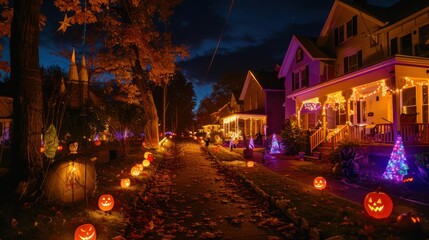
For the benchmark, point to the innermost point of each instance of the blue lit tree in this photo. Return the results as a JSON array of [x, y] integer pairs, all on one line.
[[397, 166]]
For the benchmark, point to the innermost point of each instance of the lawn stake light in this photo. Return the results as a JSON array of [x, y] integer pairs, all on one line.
[[378, 205], [125, 182], [106, 202], [146, 163], [85, 232], [135, 171], [319, 183]]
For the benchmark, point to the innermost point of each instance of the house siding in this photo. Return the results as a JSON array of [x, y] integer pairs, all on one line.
[[274, 111]]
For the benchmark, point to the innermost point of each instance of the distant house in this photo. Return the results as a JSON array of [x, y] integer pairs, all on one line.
[[365, 77], [6, 110], [262, 97]]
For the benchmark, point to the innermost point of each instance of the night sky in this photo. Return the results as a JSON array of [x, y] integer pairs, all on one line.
[[256, 35]]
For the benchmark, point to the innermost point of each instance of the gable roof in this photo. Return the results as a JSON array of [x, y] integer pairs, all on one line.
[[308, 45], [266, 80]]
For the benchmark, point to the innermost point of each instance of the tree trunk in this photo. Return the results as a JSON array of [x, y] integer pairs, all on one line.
[[27, 102]]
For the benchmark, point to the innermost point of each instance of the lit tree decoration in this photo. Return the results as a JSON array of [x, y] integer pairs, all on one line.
[[397, 166], [251, 144], [275, 147]]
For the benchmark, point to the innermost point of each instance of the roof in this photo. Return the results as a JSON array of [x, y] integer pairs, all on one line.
[[268, 80], [309, 43]]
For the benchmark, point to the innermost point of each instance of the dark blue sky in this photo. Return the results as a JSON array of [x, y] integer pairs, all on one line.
[[256, 35]]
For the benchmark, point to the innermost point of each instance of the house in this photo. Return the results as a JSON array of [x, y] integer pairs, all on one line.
[[365, 77], [6, 110], [262, 97]]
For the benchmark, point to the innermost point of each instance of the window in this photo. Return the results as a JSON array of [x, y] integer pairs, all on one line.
[[352, 27], [409, 100], [339, 35], [298, 55], [361, 111], [406, 45], [353, 62], [393, 46], [311, 120], [425, 106], [424, 39], [305, 77], [340, 114], [295, 81], [300, 82]]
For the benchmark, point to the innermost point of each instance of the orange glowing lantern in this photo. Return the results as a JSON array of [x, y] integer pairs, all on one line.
[[135, 171], [378, 205], [85, 232], [140, 166], [106, 202], [250, 164], [319, 183], [146, 154], [97, 142], [146, 163], [125, 182], [42, 149]]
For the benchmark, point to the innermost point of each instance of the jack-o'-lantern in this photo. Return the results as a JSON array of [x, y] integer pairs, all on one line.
[[106, 202], [408, 222], [60, 148], [97, 142], [407, 179], [140, 166], [378, 205], [85, 232], [135, 171], [250, 164], [125, 182], [319, 183], [146, 163]]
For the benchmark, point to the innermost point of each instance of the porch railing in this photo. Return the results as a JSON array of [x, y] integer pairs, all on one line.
[[417, 133], [317, 138]]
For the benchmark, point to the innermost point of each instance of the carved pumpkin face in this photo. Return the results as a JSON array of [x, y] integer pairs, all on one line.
[[408, 222], [85, 232], [378, 205], [146, 163], [135, 171], [250, 164], [125, 182], [106, 202], [407, 179], [319, 183]]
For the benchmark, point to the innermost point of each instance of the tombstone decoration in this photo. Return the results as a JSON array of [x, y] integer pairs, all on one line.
[[70, 179]]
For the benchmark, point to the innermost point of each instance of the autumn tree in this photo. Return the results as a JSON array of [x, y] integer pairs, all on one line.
[[137, 45]]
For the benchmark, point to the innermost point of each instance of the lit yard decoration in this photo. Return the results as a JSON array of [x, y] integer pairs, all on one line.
[[106, 202], [378, 205], [319, 183], [135, 171], [397, 166], [125, 182], [250, 164], [85, 232], [408, 222], [408, 179], [275, 146], [146, 155], [65, 182], [97, 142], [251, 143], [140, 166], [146, 163]]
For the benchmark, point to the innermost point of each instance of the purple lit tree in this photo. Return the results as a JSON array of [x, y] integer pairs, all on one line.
[[397, 166], [275, 146], [251, 144]]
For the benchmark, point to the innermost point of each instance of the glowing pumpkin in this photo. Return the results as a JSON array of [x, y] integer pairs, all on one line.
[[97, 142], [408, 222], [146, 163], [140, 166], [407, 178], [85, 232], [250, 164], [378, 205], [125, 182], [319, 183], [135, 171], [146, 154], [106, 202]]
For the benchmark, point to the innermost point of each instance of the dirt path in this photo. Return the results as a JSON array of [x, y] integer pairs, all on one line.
[[191, 199]]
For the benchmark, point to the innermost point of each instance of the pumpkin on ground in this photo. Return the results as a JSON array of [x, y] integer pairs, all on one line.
[[106, 202], [378, 205], [319, 183], [135, 171], [408, 222], [125, 182], [250, 164], [85, 232]]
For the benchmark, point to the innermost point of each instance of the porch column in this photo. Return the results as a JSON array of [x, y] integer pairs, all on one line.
[[298, 105], [347, 94], [397, 84], [323, 100], [251, 127]]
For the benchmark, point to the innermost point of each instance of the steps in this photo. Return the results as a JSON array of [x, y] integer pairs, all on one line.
[[325, 149]]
